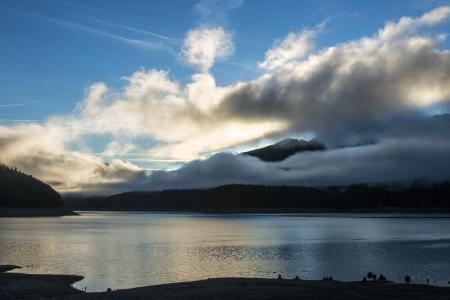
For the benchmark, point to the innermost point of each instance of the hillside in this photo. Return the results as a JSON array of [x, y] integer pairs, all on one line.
[[19, 190], [251, 198]]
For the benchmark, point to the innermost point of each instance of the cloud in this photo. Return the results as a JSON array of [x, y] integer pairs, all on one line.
[[435, 16], [181, 119], [41, 151], [136, 42], [141, 43], [202, 47], [407, 25], [349, 86], [398, 158], [214, 12], [115, 148], [293, 47], [8, 105], [373, 88], [137, 30]]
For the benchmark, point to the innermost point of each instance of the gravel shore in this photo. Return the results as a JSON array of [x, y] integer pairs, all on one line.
[[27, 286]]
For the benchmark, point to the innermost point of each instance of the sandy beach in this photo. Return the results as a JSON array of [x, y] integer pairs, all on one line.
[[27, 286]]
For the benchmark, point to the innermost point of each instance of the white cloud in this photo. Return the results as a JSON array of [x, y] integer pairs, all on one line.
[[215, 11], [349, 85], [435, 16], [41, 151], [294, 46], [335, 93], [115, 148], [408, 25], [202, 47], [182, 119]]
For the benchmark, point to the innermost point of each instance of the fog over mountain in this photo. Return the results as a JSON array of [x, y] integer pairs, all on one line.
[[407, 160], [369, 101]]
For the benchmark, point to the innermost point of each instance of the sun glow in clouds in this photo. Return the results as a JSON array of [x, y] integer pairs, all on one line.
[[328, 92]]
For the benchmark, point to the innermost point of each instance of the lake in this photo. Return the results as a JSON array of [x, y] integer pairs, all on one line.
[[123, 250]]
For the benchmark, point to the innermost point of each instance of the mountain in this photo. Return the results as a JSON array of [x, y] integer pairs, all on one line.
[[284, 149], [19, 190]]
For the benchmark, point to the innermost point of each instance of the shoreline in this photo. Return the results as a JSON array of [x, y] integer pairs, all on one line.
[[430, 212], [39, 286], [35, 212]]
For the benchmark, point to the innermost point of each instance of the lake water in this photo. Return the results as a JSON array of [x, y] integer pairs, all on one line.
[[123, 250]]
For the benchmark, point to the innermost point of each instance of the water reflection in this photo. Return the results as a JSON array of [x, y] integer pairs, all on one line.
[[122, 250]]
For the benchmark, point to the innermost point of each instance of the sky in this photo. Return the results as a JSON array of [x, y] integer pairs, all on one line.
[[107, 96]]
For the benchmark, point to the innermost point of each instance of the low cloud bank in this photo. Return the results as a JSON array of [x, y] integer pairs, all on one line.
[[395, 159]]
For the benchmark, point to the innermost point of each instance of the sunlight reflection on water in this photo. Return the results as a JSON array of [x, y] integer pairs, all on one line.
[[122, 250]]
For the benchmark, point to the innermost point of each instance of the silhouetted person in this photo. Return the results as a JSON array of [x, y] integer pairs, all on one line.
[[279, 276], [407, 279], [370, 275], [296, 278], [364, 279], [381, 277], [428, 281]]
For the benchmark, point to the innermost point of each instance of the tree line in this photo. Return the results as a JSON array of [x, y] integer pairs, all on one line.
[[20, 190], [254, 198]]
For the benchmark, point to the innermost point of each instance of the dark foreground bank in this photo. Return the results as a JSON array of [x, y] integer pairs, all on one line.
[[26, 286]]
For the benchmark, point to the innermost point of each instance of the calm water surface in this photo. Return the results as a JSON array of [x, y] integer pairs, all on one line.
[[123, 250]]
